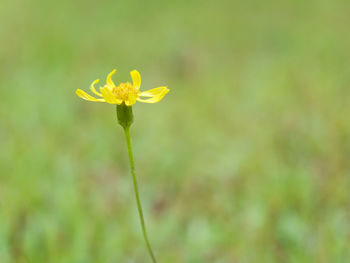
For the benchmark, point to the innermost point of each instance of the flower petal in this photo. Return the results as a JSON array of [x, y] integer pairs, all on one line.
[[131, 99], [108, 95], [109, 80], [153, 92], [136, 79], [93, 88], [155, 95], [82, 94]]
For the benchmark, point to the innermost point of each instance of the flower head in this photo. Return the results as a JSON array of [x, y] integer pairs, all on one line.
[[127, 92]]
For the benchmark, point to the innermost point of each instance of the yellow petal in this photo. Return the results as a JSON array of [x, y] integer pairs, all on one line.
[[155, 95], [131, 99], [108, 95], [153, 92], [109, 80], [85, 96], [136, 79], [93, 88]]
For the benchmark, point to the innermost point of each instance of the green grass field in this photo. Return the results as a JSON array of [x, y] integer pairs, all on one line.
[[245, 160]]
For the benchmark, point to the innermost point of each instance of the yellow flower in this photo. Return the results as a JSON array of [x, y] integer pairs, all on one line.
[[125, 92]]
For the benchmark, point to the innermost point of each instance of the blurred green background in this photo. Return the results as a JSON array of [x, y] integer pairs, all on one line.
[[245, 160]]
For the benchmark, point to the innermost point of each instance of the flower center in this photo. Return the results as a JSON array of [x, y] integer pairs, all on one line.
[[123, 91]]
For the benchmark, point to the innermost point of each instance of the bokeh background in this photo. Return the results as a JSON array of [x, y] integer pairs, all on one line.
[[245, 160]]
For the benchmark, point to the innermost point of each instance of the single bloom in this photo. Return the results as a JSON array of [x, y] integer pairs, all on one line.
[[124, 92]]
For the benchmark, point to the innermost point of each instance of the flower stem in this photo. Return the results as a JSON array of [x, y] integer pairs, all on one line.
[[132, 166]]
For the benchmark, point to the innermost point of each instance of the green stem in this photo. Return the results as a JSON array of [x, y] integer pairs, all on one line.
[[132, 166]]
